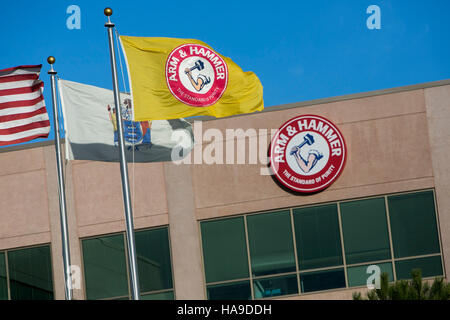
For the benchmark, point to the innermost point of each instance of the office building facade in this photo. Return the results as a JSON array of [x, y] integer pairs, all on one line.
[[221, 229]]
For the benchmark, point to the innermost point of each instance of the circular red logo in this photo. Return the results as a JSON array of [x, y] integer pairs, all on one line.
[[196, 75], [308, 153]]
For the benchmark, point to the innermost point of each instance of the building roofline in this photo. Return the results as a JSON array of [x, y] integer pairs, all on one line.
[[360, 95], [279, 107], [338, 98], [29, 146]]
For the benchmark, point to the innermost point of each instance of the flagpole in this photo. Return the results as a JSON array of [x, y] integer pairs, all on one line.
[[62, 192], [132, 265]]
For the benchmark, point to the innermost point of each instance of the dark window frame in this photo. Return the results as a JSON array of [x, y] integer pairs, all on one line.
[[344, 265], [6, 260]]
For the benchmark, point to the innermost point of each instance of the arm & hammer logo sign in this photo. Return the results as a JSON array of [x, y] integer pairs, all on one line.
[[308, 153]]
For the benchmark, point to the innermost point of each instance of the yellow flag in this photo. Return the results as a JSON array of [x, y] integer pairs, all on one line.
[[178, 78]]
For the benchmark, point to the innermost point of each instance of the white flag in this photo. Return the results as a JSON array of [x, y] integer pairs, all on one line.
[[91, 133]]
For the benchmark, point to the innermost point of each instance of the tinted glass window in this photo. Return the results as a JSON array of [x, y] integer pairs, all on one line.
[[413, 224], [30, 274], [270, 241], [153, 258], [317, 237], [3, 283], [322, 280], [430, 267], [224, 249], [230, 291], [272, 287], [365, 231], [105, 268], [357, 276], [158, 296]]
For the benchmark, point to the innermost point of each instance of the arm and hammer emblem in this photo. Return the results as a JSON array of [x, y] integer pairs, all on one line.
[[201, 80], [313, 156]]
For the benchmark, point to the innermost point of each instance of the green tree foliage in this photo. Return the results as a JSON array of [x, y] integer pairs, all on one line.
[[414, 289]]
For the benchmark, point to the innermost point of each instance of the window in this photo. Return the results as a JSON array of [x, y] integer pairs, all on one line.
[[153, 259], [300, 250], [430, 266], [365, 231], [232, 291], [413, 224], [158, 296], [272, 287], [317, 236], [322, 280], [224, 249], [30, 273], [357, 276], [3, 281], [270, 242], [105, 266]]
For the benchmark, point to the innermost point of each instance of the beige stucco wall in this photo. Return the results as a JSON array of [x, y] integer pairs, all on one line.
[[392, 139], [29, 203], [438, 116], [23, 193], [184, 239], [387, 142], [98, 196]]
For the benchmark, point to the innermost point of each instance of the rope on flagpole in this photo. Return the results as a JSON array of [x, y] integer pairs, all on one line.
[[62, 127], [120, 60]]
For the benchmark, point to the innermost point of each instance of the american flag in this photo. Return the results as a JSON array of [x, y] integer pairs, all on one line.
[[23, 116]]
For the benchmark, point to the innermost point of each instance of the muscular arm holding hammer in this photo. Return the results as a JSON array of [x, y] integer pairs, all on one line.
[[306, 166], [197, 85], [313, 156], [201, 79]]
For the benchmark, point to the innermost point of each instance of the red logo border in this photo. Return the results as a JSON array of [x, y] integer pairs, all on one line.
[[328, 181], [187, 103]]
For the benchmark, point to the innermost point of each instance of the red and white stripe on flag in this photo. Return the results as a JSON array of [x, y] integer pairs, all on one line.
[[23, 116]]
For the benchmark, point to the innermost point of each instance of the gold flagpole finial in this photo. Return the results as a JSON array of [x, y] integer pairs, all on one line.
[[108, 12], [51, 60]]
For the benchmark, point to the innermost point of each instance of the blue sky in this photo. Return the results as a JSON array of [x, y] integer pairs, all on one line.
[[300, 50]]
